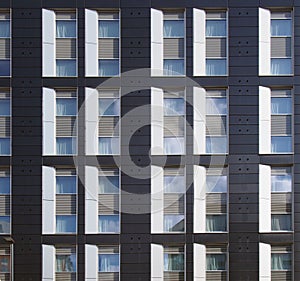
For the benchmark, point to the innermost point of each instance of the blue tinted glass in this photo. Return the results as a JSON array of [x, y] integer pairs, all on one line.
[[4, 107], [4, 185], [281, 222], [216, 223], [65, 184], [216, 67], [173, 262], [281, 183], [281, 105], [109, 107], [66, 224], [174, 184], [4, 67], [4, 264], [281, 262], [109, 145], [217, 106], [215, 262], [109, 29], [66, 67], [4, 146], [215, 28], [216, 184], [65, 28], [281, 66], [173, 28], [174, 145], [109, 67], [109, 223], [4, 28], [66, 263], [281, 144], [281, 27], [5, 224], [65, 146], [174, 106], [108, 184], [66, 106], [109, 263], [173, 67], [216, 145], [174, 223]]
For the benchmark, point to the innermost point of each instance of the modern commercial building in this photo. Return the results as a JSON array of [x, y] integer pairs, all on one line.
[[149, 140]]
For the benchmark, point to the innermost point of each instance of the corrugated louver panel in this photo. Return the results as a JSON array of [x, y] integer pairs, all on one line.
[[108, 126], [216, 15], [66, 126], [173, 276], [173, 204], [216, 171], [281, 249], [65, 172], [216, 203], [4, 126], [4, 48], [4, 205], [215, 125], [65, 48], [65, 276], [65, 251], [108, 15], [173, 15], [66, 94], [65, 15], [173, 47], [65, 204], [281, 276], [174, 250], [108, 203], [281, 202], [108, 276], [281, 125], [108, 249], [216, 276], [215, 47], [108, 48], [281, 47], [173, 126], [216, 249], [4, 250], [5, 277]]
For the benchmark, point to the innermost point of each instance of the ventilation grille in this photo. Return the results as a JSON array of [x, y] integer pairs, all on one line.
[[65, 204]]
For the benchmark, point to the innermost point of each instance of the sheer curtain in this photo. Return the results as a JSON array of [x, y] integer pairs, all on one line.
[[281, 105], [173, 28], [4, 146], [281, 222], [174, 106], [4, 29], [173, 67], [216, 106], [216, 223], [281, 66], [173, 262], [281, 144], [66, 224], [215, 67], [109, 29], [4, 107], [174, 184], [215, 145], [65, 263], [65, 146], [109, 223], [4, 264], [109, 263], [281, 183], [65, 184], [281, 261], [4, 185], [66, 67], [281, 27], [216, 184], [215, 28], [109, 67], [5, 224], [65, 107], [109, 145], [216, 262], [109, 107], [108, 184], [65, 29], [174, 145]]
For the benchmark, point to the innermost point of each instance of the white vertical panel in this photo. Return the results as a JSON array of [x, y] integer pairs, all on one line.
[[91, 199], [157, 121], [199, 50], [199, 98], [199, 262], [49, 114], [157, 262], [157, 197], [264, 120], [264, 262], [199, 199], [157, 22], [91, 263], [48, 195], [48, 263], [91, 43], [264, 198], [49, 48], [91, 119], [264, 41]]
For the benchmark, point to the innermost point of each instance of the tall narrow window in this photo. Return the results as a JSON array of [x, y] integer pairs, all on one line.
[[109, 43], [5, 43], [174, 263], [5, 199], [281, 43], [174, 43], [216, 43], [281, 262], [281, 121], [216, 122], [109, 201], [65, 263], [5, 118], [174, 200], [174, 122], [66, 122], [281, 199], [109, 263], [216, 262]]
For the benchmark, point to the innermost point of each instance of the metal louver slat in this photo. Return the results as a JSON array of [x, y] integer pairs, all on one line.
[[281, 170], [174, 250], [108, 276], [5, 277], [4, 250], [108, 15], [216, 276], [281, 276], [174, 93], [4, 126], [173, 15], [65, 172], [173, 276], [281, 125], [66, 126], [65, 251], [215, 125], [65, 276], [174, 171], [215, 47], [65, 15], [65, 48], [281, 249], [174, 126], [173, 204], [281, 93], [65, 204], [173, 47], [108, 172], [108, 48], [216, 203], [4, 48], [4, 205], [66, 94], [108, 126], [216, 249], [216, 15], [281, 202], [108, 93], [222, 171], [108, 249], [281, 47], [108, 204], [216, 93]]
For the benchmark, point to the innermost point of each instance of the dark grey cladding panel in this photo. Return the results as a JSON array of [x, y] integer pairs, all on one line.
[[278, 3]]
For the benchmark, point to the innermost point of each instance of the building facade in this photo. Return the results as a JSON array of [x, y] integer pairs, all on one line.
[[149, 140]]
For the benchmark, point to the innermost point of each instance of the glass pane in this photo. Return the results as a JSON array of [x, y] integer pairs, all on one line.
[[174, 184], [281, 105], [108, 184], [216, 106], [66, 263], [281, 222], [109, 107], [281, 27], [4, 107], [4, 67], [109, 28], [174, 106], [215, 262], [66, 184], [66, 107], [281, 183], [65, 29], [216, 145], [281, 144], [4, 146], [108, 67], [215, 28], [173, 262], [66, 224], [173, 28], [216, 67], [174, 223], [174, 67], [281, 261], [216, 184], [5, 224], [4, 264], [66, 67], [216, 223], [65, 146], [4, 29], [109, 146], [174, 146], [109, 223], [4, 185], [281, 66], [109, 263]]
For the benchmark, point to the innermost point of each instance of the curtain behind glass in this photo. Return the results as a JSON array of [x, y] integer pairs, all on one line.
[[217, 106], [173, 28], [109, 107], [4, 224], [4, 264], [66, 67], [281, 261], [216, 223], [65, 29], [216, 145], [174, 184], [281, 183], [281, 105], [173, 67], [281, 27], [281, 222], [66, 263], [108, 184], [4, 146], [215, 28], [215, 262], [4, 107], [174, 145], [66, 224], [109, 263], [109, 145], [109, 29], [109, 223], [174, 106], [65, 146], [281, 66], [109, 67], [216, 184], [65, 184], [4, 185], [282, 144], [173, 262], [216, 67], [66, 107], [4, 29], [174, 223]]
